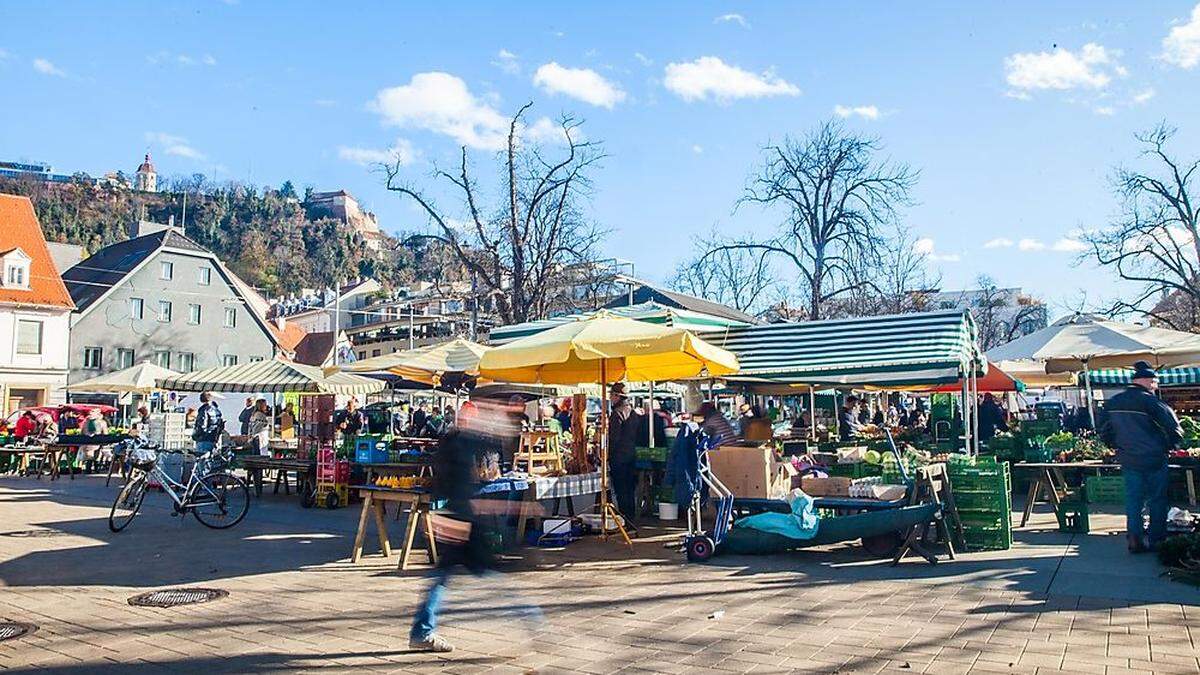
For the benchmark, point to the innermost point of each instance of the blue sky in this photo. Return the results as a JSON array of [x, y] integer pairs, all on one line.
[[1014, 113]]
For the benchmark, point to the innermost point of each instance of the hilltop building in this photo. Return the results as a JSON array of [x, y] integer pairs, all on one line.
[[417, 315], [35, 311], [161, 296], [342, 205], [38, 171], [146, 178], [313, 310]]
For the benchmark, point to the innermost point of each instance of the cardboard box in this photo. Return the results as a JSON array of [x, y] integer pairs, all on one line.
[[833, 486], [852, 455], [751, 472]]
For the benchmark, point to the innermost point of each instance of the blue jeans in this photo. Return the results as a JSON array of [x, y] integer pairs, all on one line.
[[1146, 486], [425, 622]]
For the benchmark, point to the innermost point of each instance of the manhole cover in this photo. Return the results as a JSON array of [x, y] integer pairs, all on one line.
[[12, 631], [174, 597]]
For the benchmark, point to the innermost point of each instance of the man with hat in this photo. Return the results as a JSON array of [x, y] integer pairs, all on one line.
[[622, 451], [1143, 430]]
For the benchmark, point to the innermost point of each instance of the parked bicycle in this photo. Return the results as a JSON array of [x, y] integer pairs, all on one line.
[[216, 497]]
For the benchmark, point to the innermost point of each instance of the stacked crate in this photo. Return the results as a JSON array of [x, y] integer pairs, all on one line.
[[982, 489], [169, 431], [316, 437]]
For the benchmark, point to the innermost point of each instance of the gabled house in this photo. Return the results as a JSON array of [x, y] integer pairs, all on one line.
[[35, 312], [162, 297]]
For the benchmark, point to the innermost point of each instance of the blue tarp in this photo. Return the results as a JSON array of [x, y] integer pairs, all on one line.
[[800, 524]]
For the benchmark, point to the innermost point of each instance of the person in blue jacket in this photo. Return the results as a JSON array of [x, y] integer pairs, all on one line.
[[1143, 430]]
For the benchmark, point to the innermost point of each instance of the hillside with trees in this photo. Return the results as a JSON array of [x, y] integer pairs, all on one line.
[[264, 235]]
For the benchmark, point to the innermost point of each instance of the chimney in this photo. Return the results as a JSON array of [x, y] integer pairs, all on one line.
[[280, 323]]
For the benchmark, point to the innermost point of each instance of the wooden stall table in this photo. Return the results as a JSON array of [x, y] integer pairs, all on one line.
[[1050, 482], [534, 489], [418, 503], [256, 465], [27, 452]]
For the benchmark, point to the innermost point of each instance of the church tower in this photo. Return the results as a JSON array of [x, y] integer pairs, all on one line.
[[146, 180]]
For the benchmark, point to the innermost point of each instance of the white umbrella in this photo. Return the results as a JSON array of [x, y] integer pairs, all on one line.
[[138, 379]]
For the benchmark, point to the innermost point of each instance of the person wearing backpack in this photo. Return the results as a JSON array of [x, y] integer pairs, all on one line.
[[209, 425]]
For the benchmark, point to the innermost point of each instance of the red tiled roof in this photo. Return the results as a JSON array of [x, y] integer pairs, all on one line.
[[19, 229], [290, 337]]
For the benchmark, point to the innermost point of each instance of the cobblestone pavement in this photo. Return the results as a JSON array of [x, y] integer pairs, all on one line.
[[1053, 603]]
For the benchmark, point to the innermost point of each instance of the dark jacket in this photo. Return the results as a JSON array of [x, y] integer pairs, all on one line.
[[622, 433], [244, 418], [1141, 428], [991, 420], [848, 424], [455, 480], [683, 465], [209, 425]]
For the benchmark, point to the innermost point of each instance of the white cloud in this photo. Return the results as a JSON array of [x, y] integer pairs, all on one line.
[[867, 112], [1092, 67], [643, 59], [164, 56], [442, 103], [1181, 47], [1030, 245], [1068, 245], [999, 242], [1143, 96], [507, 62], [925, 246], [1105, 110], [546, 131], [177, 146], [583, 84], [708, 77], [698, 149], [46, 68], [208, 60], [401, 152], [732, 18]]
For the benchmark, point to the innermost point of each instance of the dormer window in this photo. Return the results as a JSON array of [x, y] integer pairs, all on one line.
[[16, 269]]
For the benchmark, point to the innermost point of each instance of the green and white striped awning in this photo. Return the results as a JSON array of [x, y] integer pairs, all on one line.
[[650, 312], [275, 376], [1167, 377], [900, 350]]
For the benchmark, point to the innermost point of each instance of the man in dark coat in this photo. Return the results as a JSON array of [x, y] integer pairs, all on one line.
[[244, 417], [991, 418], [622, 451], [848, 424], [1143, 430]]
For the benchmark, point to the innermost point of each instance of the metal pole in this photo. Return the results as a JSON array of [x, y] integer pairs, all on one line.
[[1087, 382], [337, 295], [966, 380], [474, 308], [812, 413], [411, 337], [650, 418]]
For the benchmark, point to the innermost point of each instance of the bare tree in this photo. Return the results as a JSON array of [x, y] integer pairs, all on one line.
[[720, 271], [837, 198], [1002, 316], [1154, 240], [898, 282], [527, 251]]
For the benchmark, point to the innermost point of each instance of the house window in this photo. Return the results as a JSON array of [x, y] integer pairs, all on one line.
[[362, 355], [204, 276], [137, 308], [229, 359], [93, 358], [164, 311], [17, 275], [187, 362], [124, 358], [163, 359], [166, 270], [29, 337], [255, 358], [194, 315], [374, 352], [231, 317]]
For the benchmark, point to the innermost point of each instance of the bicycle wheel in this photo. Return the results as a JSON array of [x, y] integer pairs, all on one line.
[[127, 503], [220, 500]]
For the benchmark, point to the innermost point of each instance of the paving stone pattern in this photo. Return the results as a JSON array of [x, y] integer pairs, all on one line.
[[296, 604]]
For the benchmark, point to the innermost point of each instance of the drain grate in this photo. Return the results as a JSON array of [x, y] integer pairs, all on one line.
[[174, 597], [12, 631]]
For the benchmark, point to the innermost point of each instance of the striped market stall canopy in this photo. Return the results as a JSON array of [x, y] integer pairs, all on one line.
[[1167, 377], [274, 376], [900, 350], [649, 312]]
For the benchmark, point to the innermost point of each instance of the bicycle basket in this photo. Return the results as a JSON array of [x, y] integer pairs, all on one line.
[[143, 458]]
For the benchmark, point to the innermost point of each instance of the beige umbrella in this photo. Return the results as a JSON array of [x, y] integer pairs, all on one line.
[[138, 379], [425, 364], [273, 376]]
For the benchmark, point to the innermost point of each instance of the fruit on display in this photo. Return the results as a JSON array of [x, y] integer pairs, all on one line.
[[401, 482]]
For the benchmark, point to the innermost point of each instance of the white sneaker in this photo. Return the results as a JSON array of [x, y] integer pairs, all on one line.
[[433, 643]]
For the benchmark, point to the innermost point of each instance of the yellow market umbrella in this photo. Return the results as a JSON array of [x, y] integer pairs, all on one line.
[[605, 348], [425, 364]]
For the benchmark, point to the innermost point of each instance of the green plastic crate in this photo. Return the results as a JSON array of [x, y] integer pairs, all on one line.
[[998, 539], [982, 500], [652, 454], [1105, 489], [1039, 454], [1072, 516], [856, 470]]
